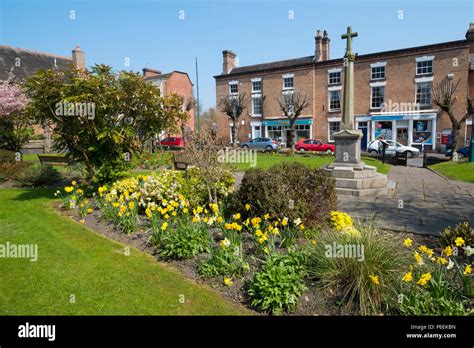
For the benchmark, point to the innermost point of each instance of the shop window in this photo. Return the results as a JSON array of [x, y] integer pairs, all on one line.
[[383, 129], [422, 132]]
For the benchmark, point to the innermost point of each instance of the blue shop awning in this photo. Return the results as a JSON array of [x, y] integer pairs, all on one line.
[[285, 122], [387, 118]]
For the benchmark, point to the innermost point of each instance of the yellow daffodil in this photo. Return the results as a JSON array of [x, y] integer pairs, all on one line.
[[148, 213], [185, 210], [82, 221], [448, 251], [247, 207], [424, 279], [68, 189], [225, 243], [408, 277], [237, 216], [228, 281], [301, 227], [313, 242], [441, 261], [131, 205], [284, 222], [220, 219], [102, 189], [468, 270], [167, 216], [164, 226], [459, 241], [408, 242], [418, 258], [90, 210], [258, 233], [266, 216], [73, 183], [374, 279], [423, 248], [265, 250], [123, 209]]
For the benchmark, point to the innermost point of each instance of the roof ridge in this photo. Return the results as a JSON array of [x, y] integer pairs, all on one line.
[[35, 52]]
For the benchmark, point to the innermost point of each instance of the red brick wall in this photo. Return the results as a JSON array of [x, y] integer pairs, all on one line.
[[179, 83]]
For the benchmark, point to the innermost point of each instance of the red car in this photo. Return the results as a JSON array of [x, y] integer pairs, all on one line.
[[314, 145], [174, 142]]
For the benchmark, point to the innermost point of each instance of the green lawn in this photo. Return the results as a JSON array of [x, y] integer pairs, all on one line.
[[73, 260], [458, 171], [265, 161]]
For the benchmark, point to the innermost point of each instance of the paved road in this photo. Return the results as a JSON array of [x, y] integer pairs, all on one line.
[[423, 202]]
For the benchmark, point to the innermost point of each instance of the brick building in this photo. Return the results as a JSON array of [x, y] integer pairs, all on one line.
[[392, 93], [174, 82]]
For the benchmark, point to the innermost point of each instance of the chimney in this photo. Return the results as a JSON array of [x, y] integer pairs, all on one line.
[[325, 50], [78, 58], [318, 50], [229, 58], [147, 72]]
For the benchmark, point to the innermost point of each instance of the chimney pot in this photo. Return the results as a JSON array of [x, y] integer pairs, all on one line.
[[147, 72], [228, 61], [78, 58], [325, 46]]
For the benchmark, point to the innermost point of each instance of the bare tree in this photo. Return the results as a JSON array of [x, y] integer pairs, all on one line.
[[292, 105], [233, 106], [443, 97]]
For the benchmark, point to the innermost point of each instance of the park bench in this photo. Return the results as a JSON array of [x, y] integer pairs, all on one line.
[[181, 160], [50, 160]]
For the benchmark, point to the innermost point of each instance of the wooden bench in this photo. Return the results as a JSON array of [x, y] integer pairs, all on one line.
[[50, 160], [181, 160]]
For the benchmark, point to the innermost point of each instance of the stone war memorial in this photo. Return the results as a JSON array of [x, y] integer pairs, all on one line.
[[352, 175]]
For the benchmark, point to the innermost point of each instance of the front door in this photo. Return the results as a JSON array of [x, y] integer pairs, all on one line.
[[402, 136], [363, 141]]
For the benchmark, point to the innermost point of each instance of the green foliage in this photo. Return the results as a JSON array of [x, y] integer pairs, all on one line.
[[226, 259], [10, 170], [112, 171], [441, 296], [462, 230], [279, 284], [349, 275], [7, 156], [183, 240], [37, 175], [289, 189], [122, 111]]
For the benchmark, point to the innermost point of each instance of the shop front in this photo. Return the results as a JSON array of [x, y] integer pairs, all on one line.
[[279, 129], [418, 130]]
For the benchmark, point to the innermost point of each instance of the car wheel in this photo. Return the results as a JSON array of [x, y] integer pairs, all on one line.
[[329, 152], [409, 154], [461, 155], [269, 148], [373, 151], [302, 149], [245, 147]]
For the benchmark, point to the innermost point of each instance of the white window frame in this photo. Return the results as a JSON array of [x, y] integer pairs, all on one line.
[[376, 85], [255, 96], [334, 89], [287, 76], [252, 127], [230, 88], [334, 70], [257, 79], [424, 59], [423, 80], [332, 120], [378, 65]]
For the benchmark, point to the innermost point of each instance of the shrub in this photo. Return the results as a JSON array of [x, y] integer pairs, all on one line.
[[7, 156], [10, 170], [182, 240], [462, 230], [292, 190], [279, 284], [35, 175], [364, 278]]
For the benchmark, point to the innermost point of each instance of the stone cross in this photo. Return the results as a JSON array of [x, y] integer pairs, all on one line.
[[349, 35], [348, 105]]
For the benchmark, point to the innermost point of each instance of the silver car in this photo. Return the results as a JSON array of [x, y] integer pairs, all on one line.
[[262, 144], [393, 146]]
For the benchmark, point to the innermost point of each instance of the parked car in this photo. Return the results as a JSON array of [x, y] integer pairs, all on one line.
[[462, 152], [393, 147], [314, 145], [263, 144], [173, 142]]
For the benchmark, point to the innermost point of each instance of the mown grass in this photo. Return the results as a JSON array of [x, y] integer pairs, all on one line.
[[463, 171], [75, 261]]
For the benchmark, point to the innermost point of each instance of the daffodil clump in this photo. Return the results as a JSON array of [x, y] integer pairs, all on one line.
[[436, 283], [73, 198], [341, 220]]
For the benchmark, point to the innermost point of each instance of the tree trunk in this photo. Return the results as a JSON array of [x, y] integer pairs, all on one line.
[[291, 142], [234, 135], [455, 137]]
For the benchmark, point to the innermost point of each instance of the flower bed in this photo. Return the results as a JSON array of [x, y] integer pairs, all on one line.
[[273, 263]]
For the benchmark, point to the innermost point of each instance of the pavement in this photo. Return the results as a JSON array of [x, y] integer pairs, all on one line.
[[424, 202]]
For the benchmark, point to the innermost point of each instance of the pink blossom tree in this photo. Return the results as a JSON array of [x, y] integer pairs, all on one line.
[[15, 123]]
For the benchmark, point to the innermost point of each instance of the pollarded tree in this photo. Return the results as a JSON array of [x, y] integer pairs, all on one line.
[[292, 105], [101, 118], [15, 124], [443, 97], [233, 106]]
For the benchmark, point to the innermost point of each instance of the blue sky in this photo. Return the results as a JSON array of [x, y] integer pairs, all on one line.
[[154, 34]]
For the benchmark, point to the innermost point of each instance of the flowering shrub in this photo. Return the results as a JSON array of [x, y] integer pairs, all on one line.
[[462, 230], [279, 284], [437, 284]]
